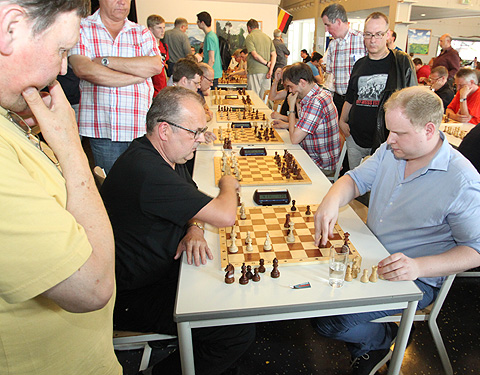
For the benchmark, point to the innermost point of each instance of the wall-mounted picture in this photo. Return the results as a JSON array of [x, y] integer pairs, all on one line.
[[195, 35], [419, 41], [234, 31]]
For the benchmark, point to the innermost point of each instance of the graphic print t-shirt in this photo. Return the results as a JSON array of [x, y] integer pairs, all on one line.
[[365, 89]]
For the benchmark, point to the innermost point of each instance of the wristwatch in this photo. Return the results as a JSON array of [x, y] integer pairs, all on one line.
[[288, 112], [196, 224], [105, 61], [463, 100]]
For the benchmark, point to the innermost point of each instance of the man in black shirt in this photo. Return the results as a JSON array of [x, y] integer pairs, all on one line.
[[438, 81], [157, 213], [373, 79]]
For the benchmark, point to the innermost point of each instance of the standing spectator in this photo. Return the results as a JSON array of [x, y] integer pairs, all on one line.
[[316, 65], [305, 56], [114, 59], [438, 83], [391, 38], [343, 51], [177, 41], [261, 59], [374, 78], [57, 250], [317, 127], [281, 50], [465, 106], [423, 71], [211, 46], [448, 57], [156, 24]]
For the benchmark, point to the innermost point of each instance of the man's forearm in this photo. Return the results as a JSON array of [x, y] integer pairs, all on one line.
[[455, 260], [142, 66]]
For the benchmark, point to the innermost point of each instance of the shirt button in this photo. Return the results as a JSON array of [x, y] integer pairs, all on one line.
[[381, 220]]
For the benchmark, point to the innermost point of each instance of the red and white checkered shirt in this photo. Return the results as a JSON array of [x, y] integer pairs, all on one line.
[[342, 55], [116, 113], [318, 117]]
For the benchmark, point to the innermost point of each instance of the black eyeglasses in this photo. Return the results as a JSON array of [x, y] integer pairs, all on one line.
[[208, 79], [25, 128], [197, 133], [378, 35]]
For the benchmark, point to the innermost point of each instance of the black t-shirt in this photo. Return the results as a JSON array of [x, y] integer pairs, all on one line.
[[365, 89], [446, 94], [149, 204], [470, 147]]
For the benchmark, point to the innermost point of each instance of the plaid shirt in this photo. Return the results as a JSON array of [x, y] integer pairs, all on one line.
[[342, 55], [116, 113], [318, 117]]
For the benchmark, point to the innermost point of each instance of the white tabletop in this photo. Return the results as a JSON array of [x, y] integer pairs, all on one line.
[[203, 294]]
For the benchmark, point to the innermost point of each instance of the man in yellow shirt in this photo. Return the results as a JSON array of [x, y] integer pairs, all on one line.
[[57, 259]]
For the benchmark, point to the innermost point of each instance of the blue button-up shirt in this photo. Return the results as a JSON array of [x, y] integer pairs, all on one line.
[[429, 212]]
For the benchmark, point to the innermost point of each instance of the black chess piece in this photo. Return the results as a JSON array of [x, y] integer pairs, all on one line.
[[293, 208], [256, 276], [249, 273], [308, 212], [275, 272], [261, 268]]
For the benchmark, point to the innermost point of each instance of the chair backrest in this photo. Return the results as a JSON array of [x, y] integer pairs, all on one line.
[[266, 93], [338, 167]]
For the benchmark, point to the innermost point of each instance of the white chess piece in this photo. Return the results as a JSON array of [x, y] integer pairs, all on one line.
[[248, 240], [243, 216], [233, 236], [267, 246], [291, 235]]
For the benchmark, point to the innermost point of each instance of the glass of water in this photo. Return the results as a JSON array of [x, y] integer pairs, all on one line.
[[337, 266]]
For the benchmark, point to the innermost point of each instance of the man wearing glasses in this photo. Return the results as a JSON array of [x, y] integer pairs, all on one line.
[[465, 106], [438, 82], [157, 213], [374, 78]]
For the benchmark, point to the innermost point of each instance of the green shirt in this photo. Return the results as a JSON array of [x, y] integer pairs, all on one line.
[[261, 43], [211, 44]]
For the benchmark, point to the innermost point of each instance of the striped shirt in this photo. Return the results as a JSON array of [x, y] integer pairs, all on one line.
[[116, 113], [341, 56], [318, 117]]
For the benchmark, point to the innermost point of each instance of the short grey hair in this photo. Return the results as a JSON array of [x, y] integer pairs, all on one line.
[[43, 13], [277, 33], [335, 12], [180, 22], [168, 106], [419, 104], [468, 74]]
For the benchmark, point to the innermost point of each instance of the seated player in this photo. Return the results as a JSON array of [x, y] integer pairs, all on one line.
[[465, 106], [280, 119], [316, 65], [424, 208], [157, 213], [240, 57], [317, 128], [206, 81], [438, 81], [423, 71]]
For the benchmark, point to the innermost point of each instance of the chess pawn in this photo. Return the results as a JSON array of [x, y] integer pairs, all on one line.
[[233, 247], [243, 216], [374, 276], [355, 271], [249, 273], [256, 276], [267, 246], [244, 279], [249, 246], [291, 234], [348, 274], [275, 272], [364, 278], [261, 268]]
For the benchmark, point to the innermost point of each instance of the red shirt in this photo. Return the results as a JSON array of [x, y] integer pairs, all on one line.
[[473, 105], [424, 71], [160, 80]]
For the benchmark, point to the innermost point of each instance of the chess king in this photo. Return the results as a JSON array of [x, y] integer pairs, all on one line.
[[157, 213]]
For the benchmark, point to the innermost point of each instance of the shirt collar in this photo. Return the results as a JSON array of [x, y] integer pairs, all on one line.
[[98, 20], [314, 91]]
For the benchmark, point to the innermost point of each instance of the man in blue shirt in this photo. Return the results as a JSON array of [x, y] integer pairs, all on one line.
[[424, 208], [211, 46]]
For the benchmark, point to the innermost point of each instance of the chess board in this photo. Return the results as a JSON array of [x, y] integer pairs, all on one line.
[[222, 92], [233, 80], [240, 101], [241, 115], [247, 136], [272, 219], [260, 170], [454, 130]]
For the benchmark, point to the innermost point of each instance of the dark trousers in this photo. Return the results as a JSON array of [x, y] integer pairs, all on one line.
[[150, 309], [339, 100]]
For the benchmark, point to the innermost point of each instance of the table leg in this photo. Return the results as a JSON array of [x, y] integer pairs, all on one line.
[[402, 337], [186, 348]]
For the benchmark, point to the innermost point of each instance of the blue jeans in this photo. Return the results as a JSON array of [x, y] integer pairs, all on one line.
[[359, 333], [106, 152]]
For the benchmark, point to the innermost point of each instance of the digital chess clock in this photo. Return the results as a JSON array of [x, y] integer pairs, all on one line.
[[236, 125], [271, 197], [231, 96], [253, 151]]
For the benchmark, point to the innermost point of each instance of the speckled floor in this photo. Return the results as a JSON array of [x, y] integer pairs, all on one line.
[[292, 347]]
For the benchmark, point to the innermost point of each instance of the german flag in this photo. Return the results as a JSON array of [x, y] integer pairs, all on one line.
[[284, 20]]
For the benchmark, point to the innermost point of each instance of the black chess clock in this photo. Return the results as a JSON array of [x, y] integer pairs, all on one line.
[[271, 197]]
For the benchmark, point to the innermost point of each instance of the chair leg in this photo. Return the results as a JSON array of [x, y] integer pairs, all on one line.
[[147, 351], [437, 338]]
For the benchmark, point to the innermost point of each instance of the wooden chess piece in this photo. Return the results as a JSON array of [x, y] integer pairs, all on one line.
[[249, 273], [348, 273], [374, 276], [364, 278], [293, 208], [275, 272], [256, 276], [308, 212], [243, 215], [229, 276], [243, 279], [287, 221], [267, 246], [261, 268], [346, 237], [291, 234], [287, 175]]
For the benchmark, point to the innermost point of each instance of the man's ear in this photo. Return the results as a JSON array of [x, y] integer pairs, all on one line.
[[430, 129], [161, 130], [10, 16]]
